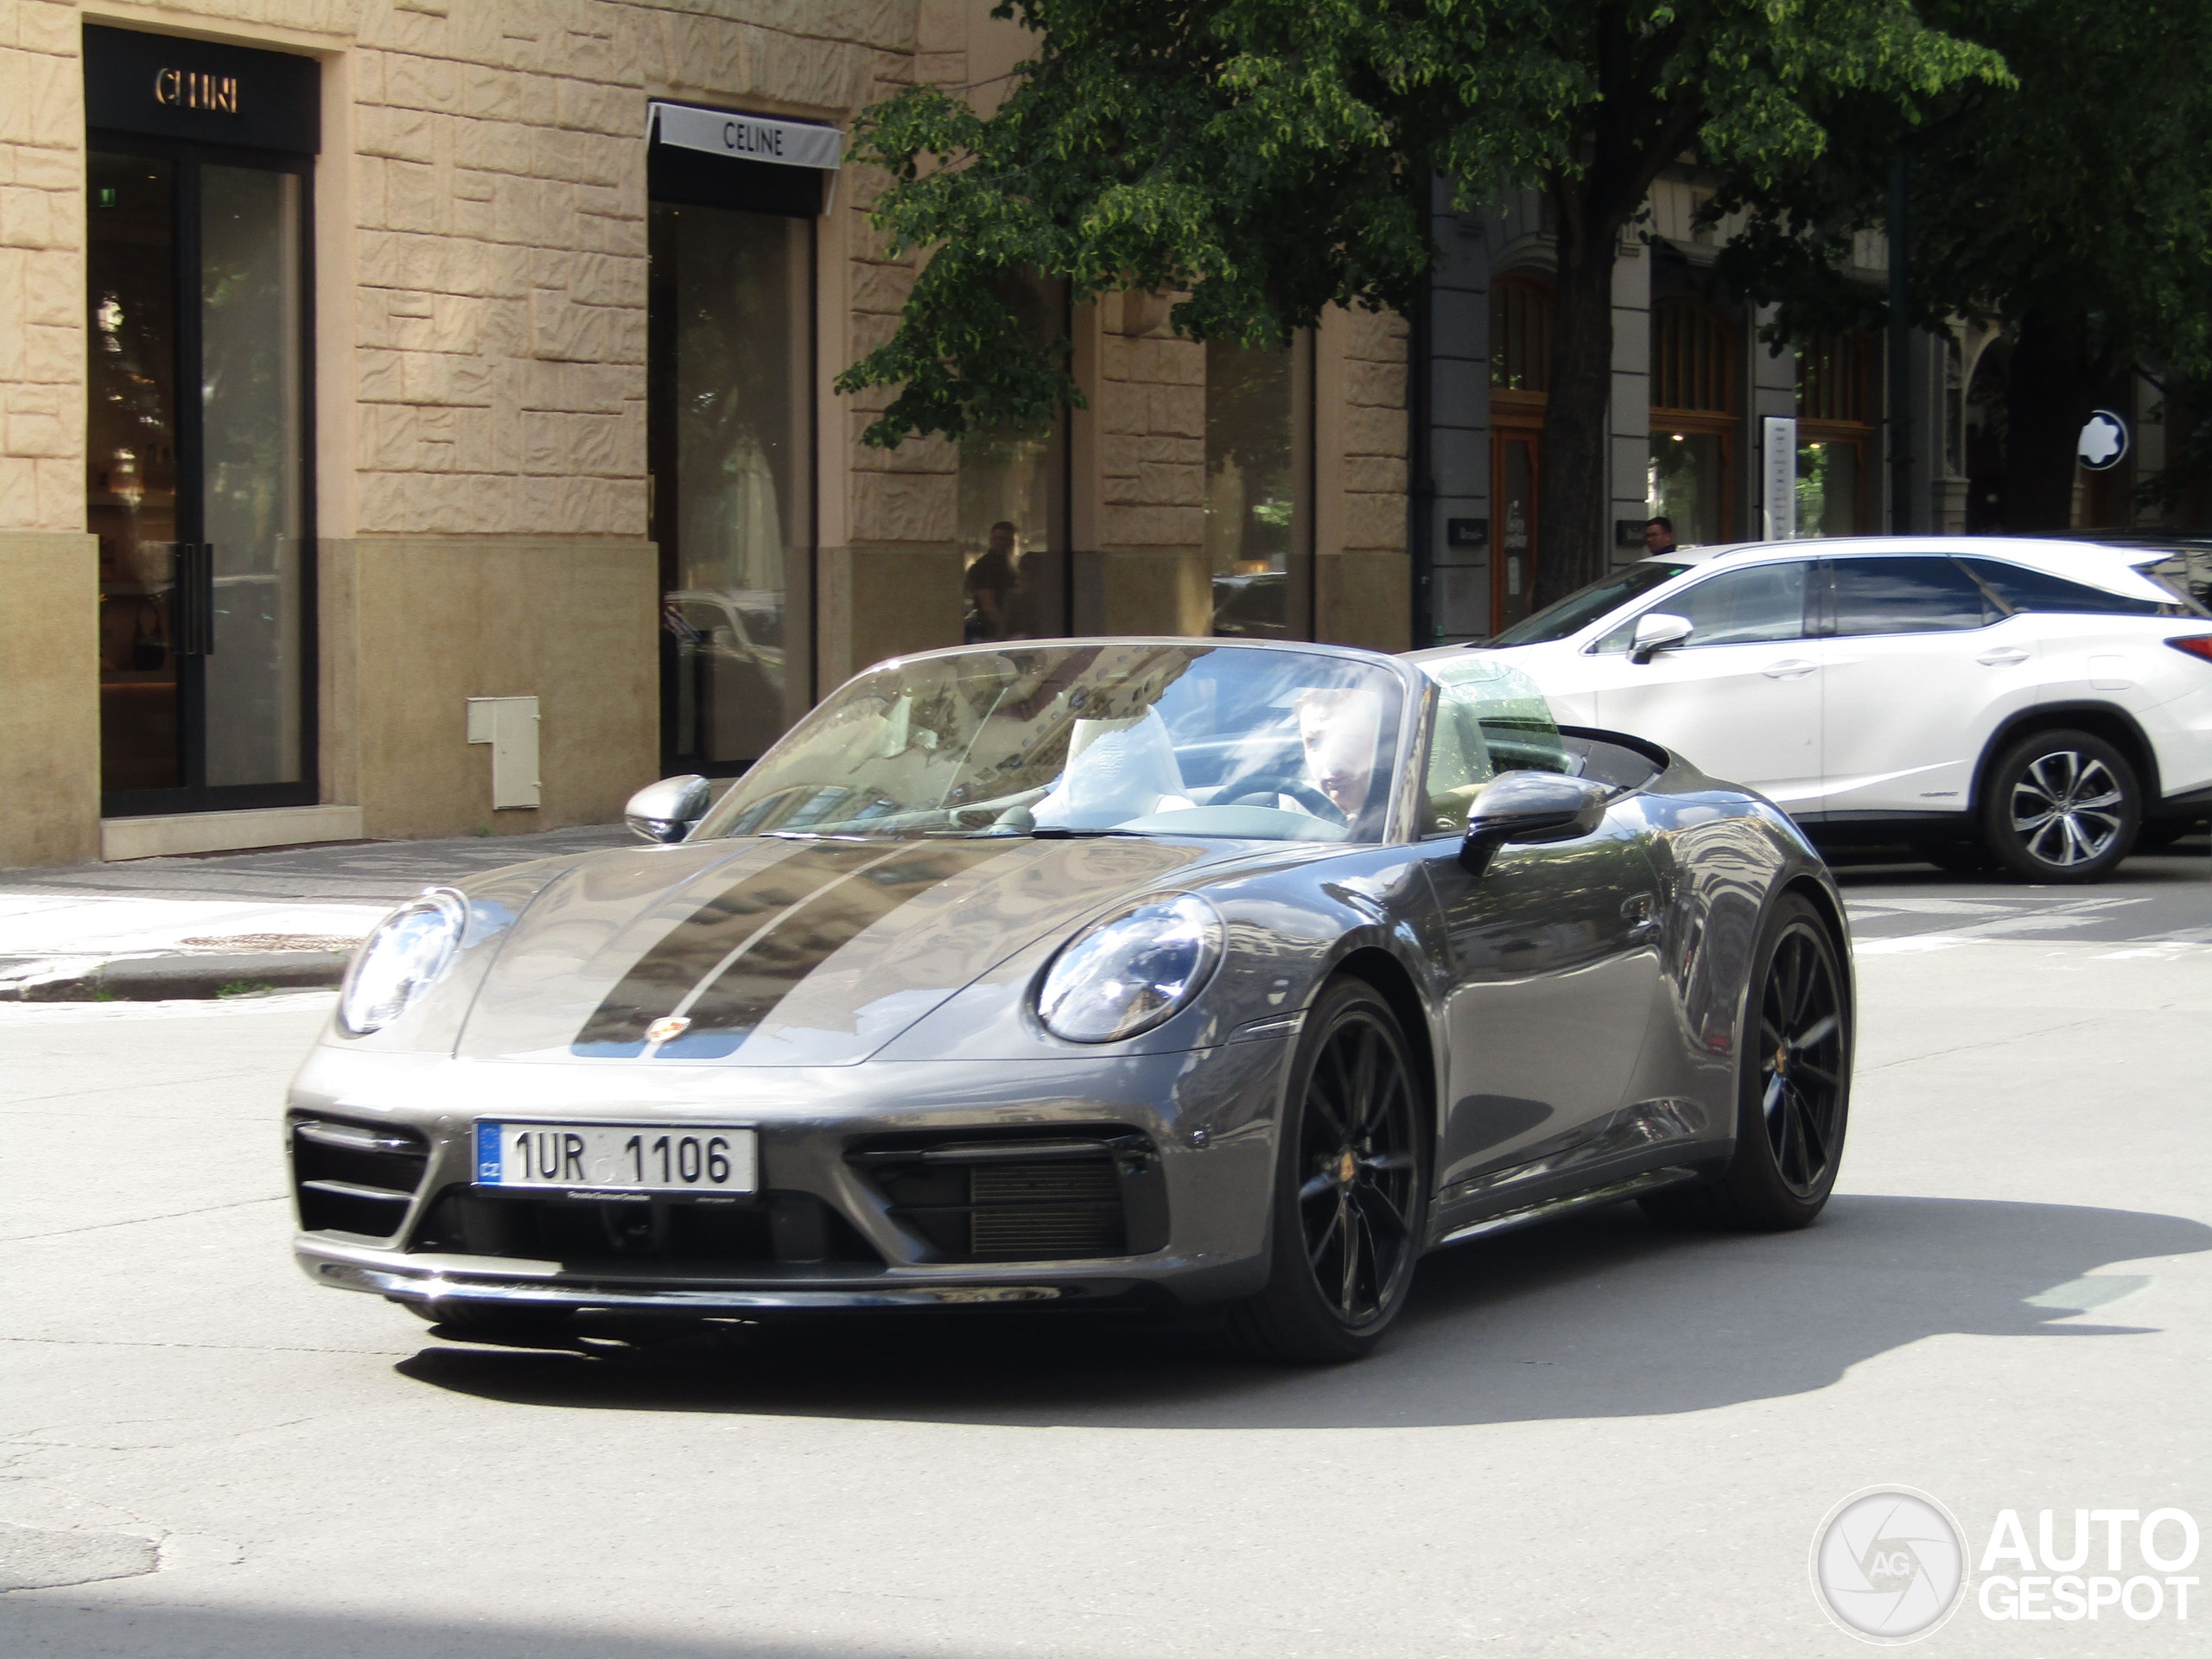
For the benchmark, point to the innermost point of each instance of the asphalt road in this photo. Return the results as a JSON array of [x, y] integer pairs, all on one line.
[[1596, 1438]]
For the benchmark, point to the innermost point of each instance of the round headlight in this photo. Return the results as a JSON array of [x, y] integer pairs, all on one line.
[[1130, 972], [408, 949]]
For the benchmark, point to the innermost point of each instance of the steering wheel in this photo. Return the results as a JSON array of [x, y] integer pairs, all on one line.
[[1300, 790]]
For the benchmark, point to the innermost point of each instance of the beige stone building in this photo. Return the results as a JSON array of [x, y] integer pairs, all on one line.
[[414, 418]]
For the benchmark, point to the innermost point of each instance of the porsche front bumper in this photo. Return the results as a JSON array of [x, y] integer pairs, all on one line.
[[845, 1153]]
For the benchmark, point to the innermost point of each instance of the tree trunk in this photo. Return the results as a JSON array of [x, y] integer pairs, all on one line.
[[2051, 384], [1574, 491]]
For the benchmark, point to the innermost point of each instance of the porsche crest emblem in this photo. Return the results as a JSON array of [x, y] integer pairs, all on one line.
[[668, 1028]]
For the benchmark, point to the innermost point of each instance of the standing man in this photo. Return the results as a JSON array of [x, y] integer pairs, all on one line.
[[991, 582], [1658, 537]]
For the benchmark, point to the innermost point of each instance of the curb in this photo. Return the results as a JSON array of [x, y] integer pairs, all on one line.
[[186, 976]]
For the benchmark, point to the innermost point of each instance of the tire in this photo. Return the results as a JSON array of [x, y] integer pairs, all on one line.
[[1350, 1200], [2062, 806], [1793, 1092]]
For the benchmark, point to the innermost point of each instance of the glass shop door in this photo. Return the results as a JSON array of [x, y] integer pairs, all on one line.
[[1513, 554], [196, 475]]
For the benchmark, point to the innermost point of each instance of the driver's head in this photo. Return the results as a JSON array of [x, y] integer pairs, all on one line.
[[1340, 728]]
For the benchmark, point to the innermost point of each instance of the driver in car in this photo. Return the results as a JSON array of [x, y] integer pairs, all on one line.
[[1338, 729]]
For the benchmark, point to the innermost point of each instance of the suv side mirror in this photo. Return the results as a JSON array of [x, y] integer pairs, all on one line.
[[1524, 807], [666, 812], [1655, 631]]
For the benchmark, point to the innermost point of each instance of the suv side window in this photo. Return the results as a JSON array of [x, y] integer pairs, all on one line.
[[1764, 602], [1904, 594], [2024, 589]]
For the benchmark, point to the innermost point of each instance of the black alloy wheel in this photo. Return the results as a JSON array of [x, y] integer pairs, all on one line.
[[2062, 806], [1793, 1086], [1352, 1187], [1800, 1056]]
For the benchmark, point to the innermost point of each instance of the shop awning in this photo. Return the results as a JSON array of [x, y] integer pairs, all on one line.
[[747, 137]]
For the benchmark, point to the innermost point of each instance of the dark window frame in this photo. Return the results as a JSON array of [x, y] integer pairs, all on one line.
[[195, 794], [679, 177]]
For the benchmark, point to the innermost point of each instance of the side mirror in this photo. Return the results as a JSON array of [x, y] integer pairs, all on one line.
[[1526, 807], [666, 810], [1655, 631]]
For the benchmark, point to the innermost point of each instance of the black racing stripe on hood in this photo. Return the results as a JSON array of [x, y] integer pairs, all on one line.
[[730, 1009], [662, 977], [851, 894]]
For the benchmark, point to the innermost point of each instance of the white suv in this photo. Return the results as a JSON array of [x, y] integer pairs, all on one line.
[[2051, 700]]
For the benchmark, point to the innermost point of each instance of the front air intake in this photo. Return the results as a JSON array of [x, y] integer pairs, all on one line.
[[1058, 1198], [355, 1179]]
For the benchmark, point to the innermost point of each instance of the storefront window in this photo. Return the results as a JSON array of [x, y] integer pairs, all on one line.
[[731, 422], [1835, 434], [1259, 424], [1012, 509], [1828, 486], [197, 480], [1690, 479], [1685, 483]]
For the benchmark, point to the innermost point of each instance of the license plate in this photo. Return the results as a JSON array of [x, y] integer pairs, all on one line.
[[619, 1161]]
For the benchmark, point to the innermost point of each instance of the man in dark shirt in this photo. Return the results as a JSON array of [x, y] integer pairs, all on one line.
[[1658, 537], [990, 584]]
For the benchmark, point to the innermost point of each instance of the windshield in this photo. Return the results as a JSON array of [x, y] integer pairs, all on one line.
[[1087, 740], [1489, 718], [1585, 605]]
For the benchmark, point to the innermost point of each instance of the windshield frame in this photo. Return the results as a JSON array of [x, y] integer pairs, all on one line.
[[1414, 710]]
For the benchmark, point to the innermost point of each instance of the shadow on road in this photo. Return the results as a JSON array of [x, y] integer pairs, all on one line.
[[1603, 1317], [53, 1623]]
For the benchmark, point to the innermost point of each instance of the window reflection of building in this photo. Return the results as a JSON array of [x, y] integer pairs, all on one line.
[[1520, 377], [1013, 510], [1690, 479], [730, 431], [1258, 486], [1835, 435]]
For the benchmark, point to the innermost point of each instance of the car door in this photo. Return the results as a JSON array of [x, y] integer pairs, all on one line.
[[1553, 968], [1923, 665], [1741, 698]]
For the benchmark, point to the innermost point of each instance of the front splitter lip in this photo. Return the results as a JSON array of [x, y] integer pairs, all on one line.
[[433, 1288]]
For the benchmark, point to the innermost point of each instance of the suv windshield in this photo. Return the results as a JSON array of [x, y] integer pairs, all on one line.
[[1233, 740], [1585, 605]]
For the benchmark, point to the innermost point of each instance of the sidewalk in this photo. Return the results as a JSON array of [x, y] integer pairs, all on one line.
[[195, 927]]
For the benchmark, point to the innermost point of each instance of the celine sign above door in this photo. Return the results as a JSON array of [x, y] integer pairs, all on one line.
[[747, 137], [166, 86]]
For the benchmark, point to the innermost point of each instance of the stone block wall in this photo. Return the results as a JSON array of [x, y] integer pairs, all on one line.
[[41, 268], [1363, 576], [1150, 402]]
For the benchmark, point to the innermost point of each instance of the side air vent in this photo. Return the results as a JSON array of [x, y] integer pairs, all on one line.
[[355, 1177], [1059, 1197]]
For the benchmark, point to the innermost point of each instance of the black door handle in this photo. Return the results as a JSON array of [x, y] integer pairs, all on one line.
[[195, 599]]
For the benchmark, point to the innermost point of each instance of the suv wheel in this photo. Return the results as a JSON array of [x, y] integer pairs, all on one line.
[[2062, 806]]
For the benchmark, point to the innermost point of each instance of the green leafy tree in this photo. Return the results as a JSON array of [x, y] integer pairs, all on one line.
[[1265, 159], [2072, 201]]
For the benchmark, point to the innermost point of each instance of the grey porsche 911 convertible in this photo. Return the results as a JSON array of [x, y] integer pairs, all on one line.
[[1202, 975]]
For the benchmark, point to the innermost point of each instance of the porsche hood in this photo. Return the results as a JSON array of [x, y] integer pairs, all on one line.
[[783, 953]]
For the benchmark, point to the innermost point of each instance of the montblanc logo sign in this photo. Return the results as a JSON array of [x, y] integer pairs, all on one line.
[[188, 89]]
